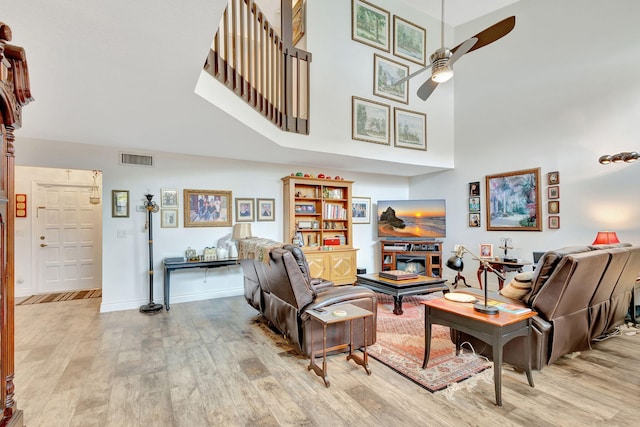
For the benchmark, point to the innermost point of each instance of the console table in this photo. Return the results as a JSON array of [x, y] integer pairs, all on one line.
[[502, 267], [171, 264]]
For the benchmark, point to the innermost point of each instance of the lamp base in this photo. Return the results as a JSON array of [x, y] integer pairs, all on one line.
[[151, 308], [486, 309]]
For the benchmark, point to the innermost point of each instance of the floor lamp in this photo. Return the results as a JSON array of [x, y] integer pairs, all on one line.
[[455, 263], [152, 207]]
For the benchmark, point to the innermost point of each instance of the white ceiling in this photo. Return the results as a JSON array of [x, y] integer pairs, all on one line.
[[122, 73]]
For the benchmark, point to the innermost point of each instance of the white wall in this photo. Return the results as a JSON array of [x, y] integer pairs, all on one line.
[[556, 93], [125, 280]]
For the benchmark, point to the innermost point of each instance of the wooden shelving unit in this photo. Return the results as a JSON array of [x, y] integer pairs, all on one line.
[[317, 215]]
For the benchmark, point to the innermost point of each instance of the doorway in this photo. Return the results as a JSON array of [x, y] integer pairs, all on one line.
[[66, 236]]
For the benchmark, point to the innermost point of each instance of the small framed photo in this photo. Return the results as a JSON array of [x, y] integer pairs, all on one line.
[[169, 198], [553, 192], [370, 24], [305, 208], [370, 121], [553, 178], [474, 204], [207, 208], [554, 207], [385, 73], [120, 203], [266, 209], [486, 250], [410, 129], [361, 210], [245, 209], [168, 218], [474, 220], [474, 189], [554, 222], [409, 41]]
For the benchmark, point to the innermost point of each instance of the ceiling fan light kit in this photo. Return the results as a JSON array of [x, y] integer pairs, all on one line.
[[442, 70]]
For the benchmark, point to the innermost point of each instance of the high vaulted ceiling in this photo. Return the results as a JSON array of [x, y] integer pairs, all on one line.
[[122, 73]]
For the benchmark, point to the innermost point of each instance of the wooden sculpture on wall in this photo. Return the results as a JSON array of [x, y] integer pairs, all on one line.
[[14, 94]]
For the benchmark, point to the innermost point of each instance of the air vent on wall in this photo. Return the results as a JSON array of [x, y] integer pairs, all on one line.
[[136, 159]]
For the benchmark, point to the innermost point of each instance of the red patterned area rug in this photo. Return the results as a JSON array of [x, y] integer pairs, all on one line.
[[400, 345]]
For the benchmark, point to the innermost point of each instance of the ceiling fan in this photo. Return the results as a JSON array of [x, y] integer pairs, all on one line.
[[442, 60]]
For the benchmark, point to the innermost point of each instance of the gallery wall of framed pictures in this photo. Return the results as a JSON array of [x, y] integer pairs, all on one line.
[[553, 200], [372, 121]]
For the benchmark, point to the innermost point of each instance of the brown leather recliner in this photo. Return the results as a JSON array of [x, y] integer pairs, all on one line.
[[579, 293], [283, 294]]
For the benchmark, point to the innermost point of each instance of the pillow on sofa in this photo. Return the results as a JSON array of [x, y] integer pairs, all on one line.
[[519, 287]]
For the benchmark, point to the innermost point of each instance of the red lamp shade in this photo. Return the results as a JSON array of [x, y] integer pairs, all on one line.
[[605, 238]]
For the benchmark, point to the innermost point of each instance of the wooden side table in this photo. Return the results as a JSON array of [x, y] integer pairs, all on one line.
[[496, 330], [327, 317], [502, 267]]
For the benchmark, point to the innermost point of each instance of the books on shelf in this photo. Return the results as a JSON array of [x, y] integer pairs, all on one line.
[[509, 308], [397, 275]]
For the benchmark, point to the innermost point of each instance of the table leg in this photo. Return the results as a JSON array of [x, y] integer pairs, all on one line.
[[362, 361], [528, 353], [457, 279], [397, 305], [167, 281], [479, 273], [497, 365], [312, 355], [427, 336]]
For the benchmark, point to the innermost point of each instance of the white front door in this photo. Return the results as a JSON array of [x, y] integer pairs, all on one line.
[[67, 240]]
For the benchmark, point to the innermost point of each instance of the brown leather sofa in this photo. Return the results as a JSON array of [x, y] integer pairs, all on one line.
[[283, 292], [579, 293]]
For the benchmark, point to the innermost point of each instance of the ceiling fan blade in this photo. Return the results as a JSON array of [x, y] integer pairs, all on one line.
[[427, 89], [491, 34], [464, 48], [412, 75]]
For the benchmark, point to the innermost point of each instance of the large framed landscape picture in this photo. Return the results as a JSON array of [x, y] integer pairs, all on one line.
[[370, 121], [410, 129], [207, 208], [370, 24], [385, 73], [409, 41], [513, 201]]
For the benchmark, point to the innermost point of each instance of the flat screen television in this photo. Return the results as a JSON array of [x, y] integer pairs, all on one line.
[[412, 219]]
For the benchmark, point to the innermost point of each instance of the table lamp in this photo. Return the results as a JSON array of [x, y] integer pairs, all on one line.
[[241, 230], [455, 263], [606, 238]]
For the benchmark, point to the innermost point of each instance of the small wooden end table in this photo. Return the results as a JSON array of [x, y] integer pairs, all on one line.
[[327, 317], [496, 330]]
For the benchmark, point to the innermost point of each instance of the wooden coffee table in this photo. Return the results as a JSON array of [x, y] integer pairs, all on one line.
[[496, 330], [399, 288]]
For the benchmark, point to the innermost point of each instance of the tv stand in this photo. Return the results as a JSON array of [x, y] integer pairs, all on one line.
[[417, 256]]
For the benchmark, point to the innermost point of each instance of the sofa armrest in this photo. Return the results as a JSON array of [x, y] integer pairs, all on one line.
[[319, 284]]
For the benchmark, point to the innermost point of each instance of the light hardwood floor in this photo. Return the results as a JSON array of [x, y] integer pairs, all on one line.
[[207, 363]]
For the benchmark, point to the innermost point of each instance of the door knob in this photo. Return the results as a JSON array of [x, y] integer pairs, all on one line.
[[42, 245]]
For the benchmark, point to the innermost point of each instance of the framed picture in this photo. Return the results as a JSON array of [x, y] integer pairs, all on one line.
[[553, 192], [120, 203], [385, 73], [298, 16], [169, 198], [245, 209], [554, 222], [474, 220], [474, 189], [486, 250], [305, 208], [370, 24], [474, 204], [513, 201], [410, 129], [553, 178], [554, 207], [266, 210], [370, 121], [361, 210], [409, 41], [168, 218], [207, 208]]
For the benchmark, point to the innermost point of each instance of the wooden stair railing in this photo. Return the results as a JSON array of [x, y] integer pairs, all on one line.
[[260, 66]]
